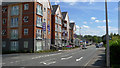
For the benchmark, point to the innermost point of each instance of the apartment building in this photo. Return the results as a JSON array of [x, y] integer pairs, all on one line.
[[56, 26], [25, 26], [72, 33], [65, 28]]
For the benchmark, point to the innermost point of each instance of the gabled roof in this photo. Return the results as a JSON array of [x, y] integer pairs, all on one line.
[[64, 14], [54, 8], [72, 25]]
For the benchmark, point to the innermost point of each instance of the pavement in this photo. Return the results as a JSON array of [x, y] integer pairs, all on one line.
[[74, 57]]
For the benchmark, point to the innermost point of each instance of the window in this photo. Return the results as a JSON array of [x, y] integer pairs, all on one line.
[[56, 20], [4, 21], [60, 21], [59, 36], [4, 32], [44, 20], [14, 34], [39, 10], [14, 46], [25, 19], [15, 10], [14, 22], [56, 27], [39, 21], [4, 10], [60, 29], [26, 6], [3, 44], [39, 34], [25, 31], [56, 35], [25, 44], [44, 9]]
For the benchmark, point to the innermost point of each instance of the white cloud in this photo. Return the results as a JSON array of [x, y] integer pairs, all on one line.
[[97, 21], [84, 26], [85, 22], [72, 21], [93, 18], [57, 2], [105, 21], [111, 29]]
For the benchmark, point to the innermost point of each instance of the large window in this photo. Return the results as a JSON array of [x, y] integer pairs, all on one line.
[[25, 31], [14, 34], [4, 44], [15, 10], [60, 29], [56, 27], [25, 44], [26, 6], [56, 20], [60, 22], [39, 45], [14, 22], [14, 46], [39, 10], [59, 35], [39, 34], [56, 35], [39, 21]]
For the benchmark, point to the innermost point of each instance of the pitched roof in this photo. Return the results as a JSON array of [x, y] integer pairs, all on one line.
[[64, 14], [54, 8], [72, 25]]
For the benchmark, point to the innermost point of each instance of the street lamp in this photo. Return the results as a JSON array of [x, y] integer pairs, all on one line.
[[107, 37]]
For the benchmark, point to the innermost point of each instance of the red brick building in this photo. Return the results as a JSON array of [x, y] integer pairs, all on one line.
[[56, 26], [22, 26]]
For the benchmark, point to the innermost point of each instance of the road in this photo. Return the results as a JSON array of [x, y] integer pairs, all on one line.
[[74, 57]]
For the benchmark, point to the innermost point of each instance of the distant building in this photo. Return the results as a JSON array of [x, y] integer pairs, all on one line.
[[56, 26], [22, 26], [72, 33]]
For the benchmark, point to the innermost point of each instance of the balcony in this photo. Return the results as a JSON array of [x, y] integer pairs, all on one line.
[[14, 37], [38, 36], [39, 25]]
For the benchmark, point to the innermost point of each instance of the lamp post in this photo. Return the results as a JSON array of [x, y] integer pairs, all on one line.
[[107, 37]]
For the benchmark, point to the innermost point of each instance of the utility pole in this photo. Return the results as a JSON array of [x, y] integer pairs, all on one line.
[[107, 38]]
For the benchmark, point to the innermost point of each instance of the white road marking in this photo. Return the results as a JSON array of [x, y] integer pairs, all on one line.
[[66, 58], [49, 63], [79, 59]]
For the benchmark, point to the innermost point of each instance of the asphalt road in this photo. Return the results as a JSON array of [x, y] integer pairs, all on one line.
[[75, 57]]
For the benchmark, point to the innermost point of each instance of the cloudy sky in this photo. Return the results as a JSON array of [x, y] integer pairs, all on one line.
[[90, 16]]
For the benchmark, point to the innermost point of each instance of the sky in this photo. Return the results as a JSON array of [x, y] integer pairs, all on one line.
[[90, 16]]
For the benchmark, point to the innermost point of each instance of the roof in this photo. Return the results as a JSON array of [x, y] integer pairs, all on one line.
[[64, 14], [72, 25], [54, 8]]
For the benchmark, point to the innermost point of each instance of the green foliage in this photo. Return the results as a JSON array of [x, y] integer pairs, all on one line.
[[115, 51]]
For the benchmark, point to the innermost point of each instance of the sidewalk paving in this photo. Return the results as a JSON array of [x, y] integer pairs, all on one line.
[[99, 59]]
